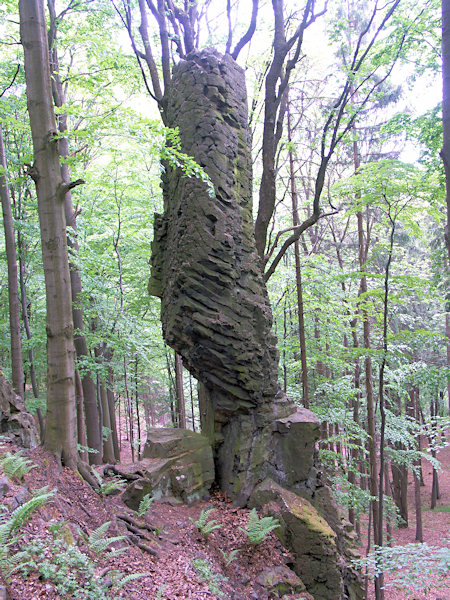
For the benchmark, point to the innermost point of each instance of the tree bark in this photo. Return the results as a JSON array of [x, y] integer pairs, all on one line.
[[181, 404], [298, 273], [61, 430], [445, 152], [18, 381], [91, 411]]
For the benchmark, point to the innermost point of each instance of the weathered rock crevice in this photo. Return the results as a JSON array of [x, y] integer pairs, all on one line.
[[15, 420], [214, 305]]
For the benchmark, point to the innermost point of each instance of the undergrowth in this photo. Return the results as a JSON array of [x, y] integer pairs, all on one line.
[[56, 557]]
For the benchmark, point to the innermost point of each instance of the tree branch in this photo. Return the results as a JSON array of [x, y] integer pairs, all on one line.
[[250, 31]]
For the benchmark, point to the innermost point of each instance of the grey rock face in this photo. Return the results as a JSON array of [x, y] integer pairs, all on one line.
[[177, 467], [214, 305], [14, 418]]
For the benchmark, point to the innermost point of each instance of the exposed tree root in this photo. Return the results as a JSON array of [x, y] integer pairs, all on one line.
[[86, 473]]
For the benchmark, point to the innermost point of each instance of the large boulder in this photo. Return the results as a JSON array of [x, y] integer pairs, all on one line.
[[315, 546], [14, 418], [177, 467]]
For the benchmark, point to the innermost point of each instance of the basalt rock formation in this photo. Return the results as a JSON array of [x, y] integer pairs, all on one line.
[[15, 420], [214, 305]]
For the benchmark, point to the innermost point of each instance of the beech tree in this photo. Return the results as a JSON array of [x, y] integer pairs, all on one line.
[[60, 431]]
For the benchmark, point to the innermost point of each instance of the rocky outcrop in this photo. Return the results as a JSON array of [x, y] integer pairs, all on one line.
[[15, 420], [317, 548], [215, 309], [177, 467]]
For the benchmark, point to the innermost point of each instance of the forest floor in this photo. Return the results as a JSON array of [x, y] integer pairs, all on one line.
[[183, 564]]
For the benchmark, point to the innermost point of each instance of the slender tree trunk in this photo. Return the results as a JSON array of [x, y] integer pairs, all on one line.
[[373, 484], [108, 448], [387, 487], [413, 411], [181, 405], [18, 381], [298, 274], [24, 305], [81, 428], [129, 411], [445, 152], [61, 429], [192, 402], [112, 415], [136, 400]]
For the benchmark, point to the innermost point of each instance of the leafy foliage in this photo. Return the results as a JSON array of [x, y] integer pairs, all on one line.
[[203, 525], [259, 528], [10, 524], [107, 488], [206, 574], [144, 505], [413, 566], [99, 543], [15, 466]]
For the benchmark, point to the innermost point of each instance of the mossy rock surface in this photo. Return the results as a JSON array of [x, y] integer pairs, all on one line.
[[178, 468], [308, 536]]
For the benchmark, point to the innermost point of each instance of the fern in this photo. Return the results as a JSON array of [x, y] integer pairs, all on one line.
[[229, 556], [203, 525], [258, 529], [122, 581], [98, 542], [107, 488], [144, 505], [10, 524], [15, 466]]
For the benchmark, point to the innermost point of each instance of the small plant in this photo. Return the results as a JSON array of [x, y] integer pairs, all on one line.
[[229, 556], [15, 466], [12, 523], [109, 487], [206, 574], [203, 525], [99, 543], [258, 529], [70, 570], [144, 505]]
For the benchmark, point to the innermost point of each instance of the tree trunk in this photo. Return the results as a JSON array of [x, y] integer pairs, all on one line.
[[94, 439], [61, 430], [445, 152], [181, 404], [24, 305], [298, 274], [81, 427], [400, 490], [112, 415], [108, 448], [13, 292]]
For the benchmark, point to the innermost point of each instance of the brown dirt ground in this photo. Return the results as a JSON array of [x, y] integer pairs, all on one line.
[[171, 574]]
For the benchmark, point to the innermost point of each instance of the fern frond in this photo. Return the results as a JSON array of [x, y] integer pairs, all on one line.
[[98, 542], [22, 513], [258, 529], [132, 577], [145, 504], [15, 466]]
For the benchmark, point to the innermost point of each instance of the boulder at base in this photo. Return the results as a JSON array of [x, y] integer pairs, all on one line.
[[14, 418], [177, 467], [281, 580], [311, 540]]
